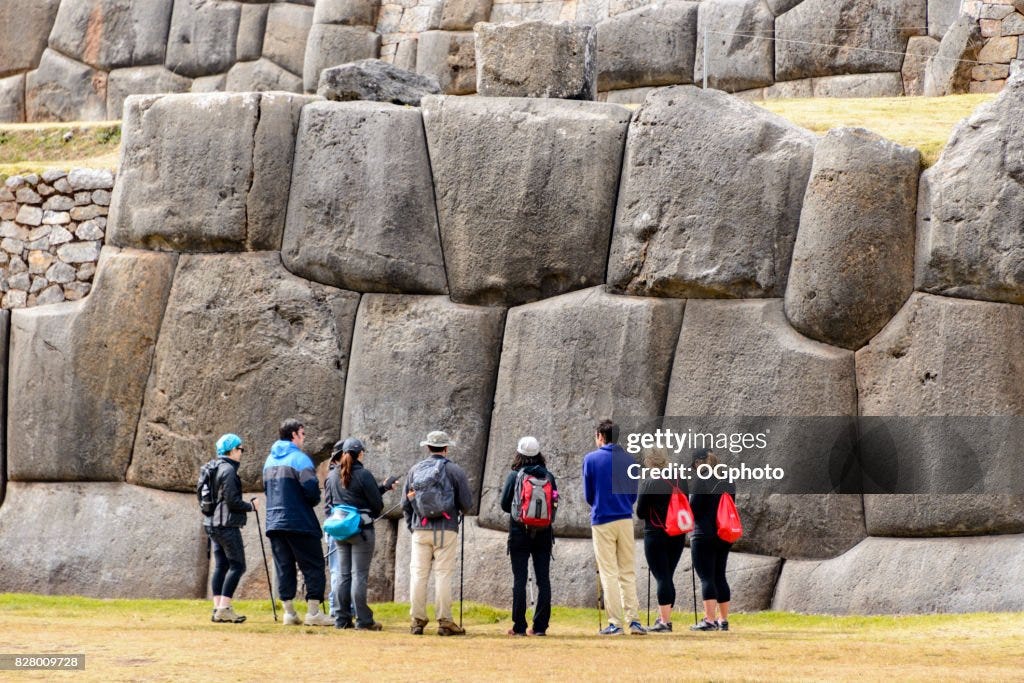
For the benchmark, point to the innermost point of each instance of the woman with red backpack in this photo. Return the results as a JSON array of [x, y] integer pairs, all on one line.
[[664, 539], [709, 552], [530, 496]]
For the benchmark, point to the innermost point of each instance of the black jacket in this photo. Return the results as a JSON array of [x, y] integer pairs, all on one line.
[[704, 502], [363, 491], [653, 499], [508, 492], [463, 501], [231, 509]]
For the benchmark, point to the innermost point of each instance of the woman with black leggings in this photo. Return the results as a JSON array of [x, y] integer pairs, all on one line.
[[661, 550], [710, 553]]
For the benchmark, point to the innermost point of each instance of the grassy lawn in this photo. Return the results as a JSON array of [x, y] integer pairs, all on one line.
[[174, 640], [36, 147]]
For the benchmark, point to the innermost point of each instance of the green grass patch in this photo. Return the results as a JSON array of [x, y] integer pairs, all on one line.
[[34, 148]]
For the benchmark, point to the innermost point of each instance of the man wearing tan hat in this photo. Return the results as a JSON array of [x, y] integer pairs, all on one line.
[[436, 492]]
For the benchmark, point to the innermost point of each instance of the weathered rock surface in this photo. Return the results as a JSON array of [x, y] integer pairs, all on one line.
[[730, 231], [920, 50], [947, 357], [78, 372], [208, 84], [741, 358], [143, 80], [548, 388], [860, 85], [12, 99], [333, 44], [112, 34], [739, 44], [942, 14], [652, 45], [375, 80], [536, 59], [931, 575], [363, 217], [525, 193], [449, 57], [848, 36], [439, 360], [243, 327], [288, 27], [949, 71], [24, 27], [113, 554], [971, 208], [5, 321], [202, 37], [463, 15], [262, 75], [348, 12], [853, 262], [252, 25], [62, 89], [229, 153]]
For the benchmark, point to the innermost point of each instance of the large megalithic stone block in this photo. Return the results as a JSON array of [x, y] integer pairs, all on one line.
[[112, 34], [207, 172], [143, 80], [5, 322], [362, 214], [565, 364], [739, 37], [62, 89], [742, 359], [652, 45], [24, 27], [710, 199], [78, 372], [421, 363], [333, 44], [261, 75], [970, 243], [909, 576], [525, 193], [853, 262], [826, 37], [120, 541], [203, 37], [244, 345], [954, 360], [284, 43]]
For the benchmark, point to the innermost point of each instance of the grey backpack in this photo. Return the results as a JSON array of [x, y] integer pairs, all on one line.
[[435, 495]]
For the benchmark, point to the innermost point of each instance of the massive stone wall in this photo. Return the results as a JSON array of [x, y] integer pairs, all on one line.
[[63, 60], [217, 318]]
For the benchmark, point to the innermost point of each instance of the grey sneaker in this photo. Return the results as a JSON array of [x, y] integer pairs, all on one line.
[[661, 627], [723, 624], [636, 629], [226, 615], [611, 630], [704, 625]]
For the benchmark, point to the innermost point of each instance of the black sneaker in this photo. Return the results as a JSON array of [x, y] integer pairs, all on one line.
[[723, 624], [704, 625], [661, 627]]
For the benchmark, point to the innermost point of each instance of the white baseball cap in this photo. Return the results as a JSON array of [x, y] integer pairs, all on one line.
[[528, 446]]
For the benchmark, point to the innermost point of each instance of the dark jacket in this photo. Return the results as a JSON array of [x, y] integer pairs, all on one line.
[[463, 500], [704, 502], [508, 492], [653, 499], [292, 489], [609, 492], [363, 491], [231, 509]]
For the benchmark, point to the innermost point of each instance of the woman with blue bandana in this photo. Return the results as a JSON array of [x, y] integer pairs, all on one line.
[[224, 527]]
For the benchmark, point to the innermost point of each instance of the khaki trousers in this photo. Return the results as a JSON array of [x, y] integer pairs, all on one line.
[[438, 549], [615, 551]]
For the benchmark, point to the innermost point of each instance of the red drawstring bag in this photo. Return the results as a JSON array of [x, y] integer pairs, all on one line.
[[729, 526], [680, 516]]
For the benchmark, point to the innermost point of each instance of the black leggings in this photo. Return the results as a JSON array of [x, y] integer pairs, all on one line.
[[663, 552], [710, 556], [228, 558], [521, 547]]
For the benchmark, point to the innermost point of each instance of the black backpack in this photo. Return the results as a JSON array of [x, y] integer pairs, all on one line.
[[206, 488], [435, 494]]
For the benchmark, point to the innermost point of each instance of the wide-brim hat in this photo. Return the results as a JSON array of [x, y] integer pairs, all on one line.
[[438, 440]]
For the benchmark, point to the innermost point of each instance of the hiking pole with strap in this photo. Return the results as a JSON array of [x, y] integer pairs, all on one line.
[[648, 597], [600, 600], [693, 578], [270, 586], [462, 563], [529, 585]]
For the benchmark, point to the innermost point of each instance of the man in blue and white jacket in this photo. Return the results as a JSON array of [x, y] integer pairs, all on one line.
[[293, 492]]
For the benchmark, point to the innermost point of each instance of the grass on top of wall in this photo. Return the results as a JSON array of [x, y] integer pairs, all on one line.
[[174, 640], [34, 148]]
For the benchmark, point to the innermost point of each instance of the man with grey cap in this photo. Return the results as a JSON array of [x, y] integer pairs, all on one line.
[[437, 492]]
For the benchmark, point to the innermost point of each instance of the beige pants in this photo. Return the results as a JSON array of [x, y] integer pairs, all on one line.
[[440, 550], [615, 551]]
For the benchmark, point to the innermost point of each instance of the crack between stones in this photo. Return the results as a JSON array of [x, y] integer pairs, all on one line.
[[437, 211], [252, 171], [4, 396]]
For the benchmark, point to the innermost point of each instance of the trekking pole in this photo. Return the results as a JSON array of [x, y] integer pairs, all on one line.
[[270, 586], [648, 596], [600, 600], [462, 562], [529, 585], [693, 578]]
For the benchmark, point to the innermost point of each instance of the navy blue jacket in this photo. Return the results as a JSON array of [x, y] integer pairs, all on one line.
[[289, 480]]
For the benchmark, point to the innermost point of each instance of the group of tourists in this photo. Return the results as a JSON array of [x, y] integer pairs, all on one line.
[[436, 495]]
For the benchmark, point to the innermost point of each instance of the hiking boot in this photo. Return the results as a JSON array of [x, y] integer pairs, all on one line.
[[226, 615], [372, 626], [447, 627], [213, 614], [704, 625], [343, 623], [416, 628], [611, 630], [516, 634], [723, 624], [636, 629], [531, 632], [661, 627]]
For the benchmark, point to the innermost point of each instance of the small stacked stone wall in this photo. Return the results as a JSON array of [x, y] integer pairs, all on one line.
[[52, 229], [1002, 24]]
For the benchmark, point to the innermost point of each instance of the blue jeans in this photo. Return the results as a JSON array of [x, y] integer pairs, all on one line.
[[334, 564], [355, 556]]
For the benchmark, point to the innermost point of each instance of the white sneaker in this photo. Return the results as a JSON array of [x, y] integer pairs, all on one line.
[[318, 619], [292, 619]]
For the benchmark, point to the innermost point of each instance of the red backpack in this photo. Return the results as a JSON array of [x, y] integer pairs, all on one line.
[[679, 519], [533, 502], [729, 526]]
